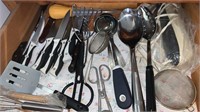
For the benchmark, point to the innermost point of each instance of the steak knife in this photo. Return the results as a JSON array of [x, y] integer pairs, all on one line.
[[42, 57], [59, 61], [56, 42], [33, 40]]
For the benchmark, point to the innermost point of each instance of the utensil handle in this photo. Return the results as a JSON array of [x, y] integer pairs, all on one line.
[[150, 90], [136, 85], [42, 58], [51, 57], [41, 107], [59, 63], [28, 54], [121, 88], [29, 97], [66, 56], [73, 63], [72, 44]]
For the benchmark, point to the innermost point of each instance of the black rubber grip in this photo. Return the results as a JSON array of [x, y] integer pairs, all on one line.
[[150, 90], [121, 89]]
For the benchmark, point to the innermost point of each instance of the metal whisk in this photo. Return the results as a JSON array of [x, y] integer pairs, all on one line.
[[11, 104]]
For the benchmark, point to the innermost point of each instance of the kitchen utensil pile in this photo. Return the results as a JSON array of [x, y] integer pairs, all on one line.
[[70, 41]]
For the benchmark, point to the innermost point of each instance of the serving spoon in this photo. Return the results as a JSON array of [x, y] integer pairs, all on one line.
[[149, 28], [130, 32]]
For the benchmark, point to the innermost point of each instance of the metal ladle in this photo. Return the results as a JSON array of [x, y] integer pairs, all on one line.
[[106, 22], [130, 32], [149, 28]]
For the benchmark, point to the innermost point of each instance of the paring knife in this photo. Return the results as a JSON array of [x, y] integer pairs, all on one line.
[[56, 42], [42, 57], [64, 43], [33, 40]]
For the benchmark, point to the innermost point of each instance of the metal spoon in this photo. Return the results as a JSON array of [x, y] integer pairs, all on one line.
[[130, 32], [149, 28], [107, 23]]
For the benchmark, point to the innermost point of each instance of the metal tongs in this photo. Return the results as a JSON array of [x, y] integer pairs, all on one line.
[[101, 86]]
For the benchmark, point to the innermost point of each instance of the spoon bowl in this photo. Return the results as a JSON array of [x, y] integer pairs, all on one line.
[[130, 30]]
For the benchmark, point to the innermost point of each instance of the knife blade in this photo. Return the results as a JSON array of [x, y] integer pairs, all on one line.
[[33, 41], [64, 43], [56, 42], [41, 59]]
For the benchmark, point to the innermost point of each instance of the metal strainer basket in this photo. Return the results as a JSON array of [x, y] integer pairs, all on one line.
[[175, 90]]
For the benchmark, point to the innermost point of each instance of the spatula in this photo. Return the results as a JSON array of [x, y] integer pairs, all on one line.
[[20, 78]]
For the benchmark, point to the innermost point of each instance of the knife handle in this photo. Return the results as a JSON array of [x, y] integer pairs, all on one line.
[[51, 57], [66, 56], [121, 88], [18, 54], [150, 90], [28, 54], [59, 63], [72, 65], [72, 44], [42, 58]]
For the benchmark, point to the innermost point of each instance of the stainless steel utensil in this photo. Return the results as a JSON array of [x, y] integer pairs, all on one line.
[[108, 23], [149, 28], [101, 86], [174, 90], [10, 104], [130, 32], [98, 43]]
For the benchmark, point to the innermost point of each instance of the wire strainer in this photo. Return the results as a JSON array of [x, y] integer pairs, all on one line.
[[175, 90], [97, 44]]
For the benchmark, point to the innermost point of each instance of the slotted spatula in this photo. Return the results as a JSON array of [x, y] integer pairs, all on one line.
[[20, 78]]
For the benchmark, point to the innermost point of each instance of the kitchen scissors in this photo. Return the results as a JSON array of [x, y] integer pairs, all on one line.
[[101, 86]]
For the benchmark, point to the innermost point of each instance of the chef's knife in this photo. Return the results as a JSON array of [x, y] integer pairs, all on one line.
[[56, 42], [34, 40], [64, 43], [42, 57]]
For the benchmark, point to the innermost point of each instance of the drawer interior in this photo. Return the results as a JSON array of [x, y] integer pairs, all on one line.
[[15, 30]]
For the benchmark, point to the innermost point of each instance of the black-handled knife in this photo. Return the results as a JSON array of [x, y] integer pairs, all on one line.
[[59, 61], [33, 40], [56, 43]]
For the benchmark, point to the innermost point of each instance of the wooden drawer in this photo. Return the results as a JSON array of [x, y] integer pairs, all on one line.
[[22, 20]]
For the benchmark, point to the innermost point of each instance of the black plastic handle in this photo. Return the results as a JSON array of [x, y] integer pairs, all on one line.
[[60, 65], [72, 44], [53, 58], [150, 90], [71, 103], [121, 89], [18, 54], [72, 66], [45, 56], [29, 56]]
